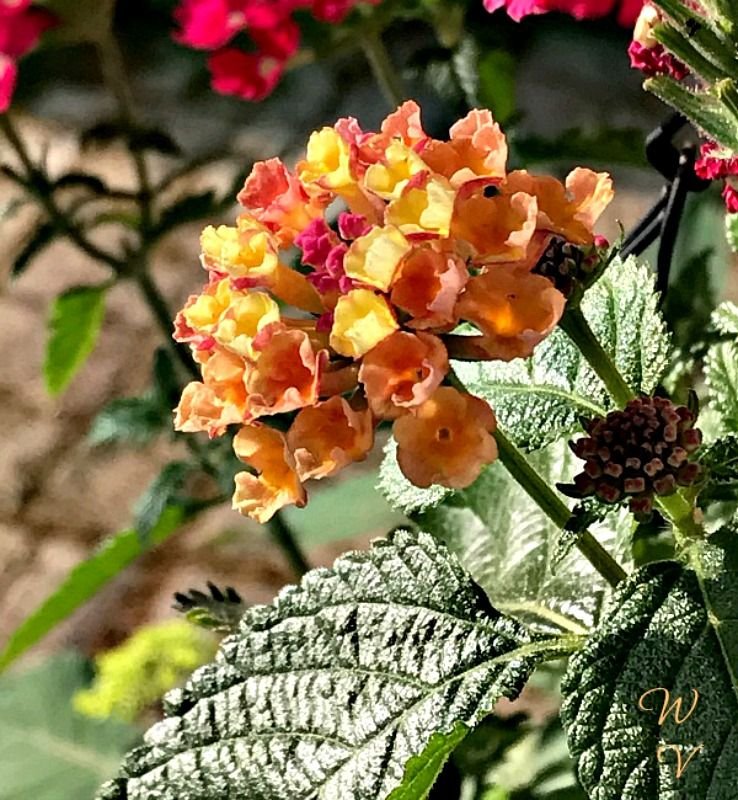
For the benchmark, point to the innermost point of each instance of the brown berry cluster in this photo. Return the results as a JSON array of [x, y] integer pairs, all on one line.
[[641, 451], [565, 265]]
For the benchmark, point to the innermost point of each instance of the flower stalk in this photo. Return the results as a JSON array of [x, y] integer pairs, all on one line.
[[575, 325], [384, 70], [555, 509]]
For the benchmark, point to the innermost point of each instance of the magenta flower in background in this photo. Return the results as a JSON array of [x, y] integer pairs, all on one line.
[[627, 10], [251, 75], [21, 26]]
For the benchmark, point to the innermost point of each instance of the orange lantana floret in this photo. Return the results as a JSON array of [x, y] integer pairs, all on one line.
[[275, 484], [447, 440], [329, 436], [514, 310], [402, 372]]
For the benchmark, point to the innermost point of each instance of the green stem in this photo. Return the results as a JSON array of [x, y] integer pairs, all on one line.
[[577, 328], [286, 540], [165, 319], [384, 70], [554, 508], [115, 74], [44, 197]]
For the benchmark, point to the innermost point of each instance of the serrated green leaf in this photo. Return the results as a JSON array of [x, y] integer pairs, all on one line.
[[47, 751], [725, 318], [84, 581], [332, 690], [721, 376], [41, 238], [164, 491], [540, 399], [731, 231], [659, 632], [74, 325], [509, 545]]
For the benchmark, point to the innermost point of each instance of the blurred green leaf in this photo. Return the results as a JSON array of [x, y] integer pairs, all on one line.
[[370, 513], [690, 300], [84, 581], [164, 492], [42, 236], [221, 610], [75, 180], [721, 376], [47, 750], [74, 325], [606, 146], [133, 420], [497, 83]]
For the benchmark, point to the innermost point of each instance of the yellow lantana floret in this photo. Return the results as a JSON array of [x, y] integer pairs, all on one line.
[[424, 209], [243, 319], [327, 161], [374, 258], [247, 251], [389, 179], [362, 319], [204, 314]]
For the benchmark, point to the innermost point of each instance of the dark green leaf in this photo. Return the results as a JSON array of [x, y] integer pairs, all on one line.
[[74, 325], [41, 238], [48, 751], [154, 139], [84, 581], [540, 399], [166, 382], [332, 690], [187, 209], [164, 491], [133, 420], [497, 84], [605, 146], [659, 632], [690, 300], [720, 458]]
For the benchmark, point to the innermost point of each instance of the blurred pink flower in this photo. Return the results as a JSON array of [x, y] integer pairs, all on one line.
[[21, 26], [581, 9], [212, 25], [250, 76]]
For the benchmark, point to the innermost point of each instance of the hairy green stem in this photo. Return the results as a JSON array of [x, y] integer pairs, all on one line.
[[285, 538], [384, 70], [555, 509], [577, 328]]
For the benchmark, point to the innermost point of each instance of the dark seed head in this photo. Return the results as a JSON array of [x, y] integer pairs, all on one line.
[[639, 452]]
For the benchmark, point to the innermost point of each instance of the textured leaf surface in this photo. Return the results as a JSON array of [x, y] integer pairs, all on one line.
[[84, 581], [659, 633], [721, 374], [74, 325], [333, 689], [513, 550], [47, 751], [539, 399]]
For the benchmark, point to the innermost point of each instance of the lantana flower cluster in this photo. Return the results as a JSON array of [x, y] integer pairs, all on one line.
[[273, 32], [627, 10], [407, 252], [21, 26]]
